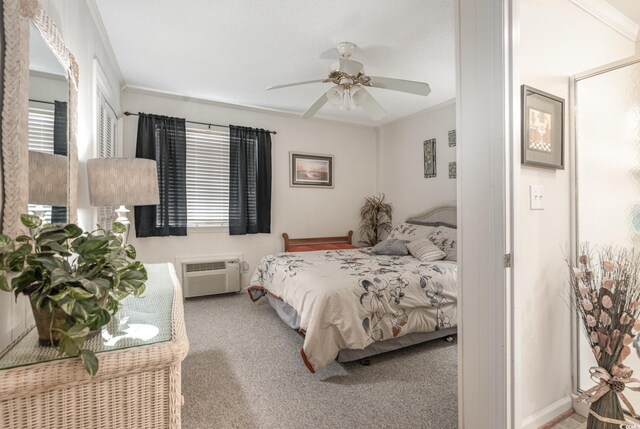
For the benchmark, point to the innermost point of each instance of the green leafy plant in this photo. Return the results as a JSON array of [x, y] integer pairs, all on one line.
[[375, 217], [75, 280]]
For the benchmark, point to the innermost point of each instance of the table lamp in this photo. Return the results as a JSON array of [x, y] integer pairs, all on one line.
[[122, 182], [47, 181]]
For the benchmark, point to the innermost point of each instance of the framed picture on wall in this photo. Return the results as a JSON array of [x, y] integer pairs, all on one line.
[[310, 170], [430, 158], [542, 129]]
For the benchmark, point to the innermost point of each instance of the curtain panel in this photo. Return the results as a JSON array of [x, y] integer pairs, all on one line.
[[164, 140], [249, 181], [60, 147]]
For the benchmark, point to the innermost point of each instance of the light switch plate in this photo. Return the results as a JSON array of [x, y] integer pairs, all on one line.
[[536, 197]]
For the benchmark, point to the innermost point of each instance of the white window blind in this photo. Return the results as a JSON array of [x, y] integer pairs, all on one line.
[[41, 129], [207, 177], [41, 140], [107, 132]]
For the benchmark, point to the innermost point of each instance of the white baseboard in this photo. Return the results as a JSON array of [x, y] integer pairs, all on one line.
[[547, 414]]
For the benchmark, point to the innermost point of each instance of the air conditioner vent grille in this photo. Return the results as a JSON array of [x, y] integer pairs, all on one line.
[[205, 266]]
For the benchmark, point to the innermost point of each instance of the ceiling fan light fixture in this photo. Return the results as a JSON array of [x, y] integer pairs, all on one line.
[[358, 95], [346, 100], [335, 95]]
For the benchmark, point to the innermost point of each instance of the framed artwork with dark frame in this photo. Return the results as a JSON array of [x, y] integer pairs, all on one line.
[[310, 170], [430, 159], [542, 129]]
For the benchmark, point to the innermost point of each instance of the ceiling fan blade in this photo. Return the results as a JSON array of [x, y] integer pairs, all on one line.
[[316, 106], [295, 84], [349, 66], [410, 86], [372, 107]]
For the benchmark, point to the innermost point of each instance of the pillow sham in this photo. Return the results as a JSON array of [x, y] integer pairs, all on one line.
[[424, 250], [409, 232], [392, 247], [445, 238]]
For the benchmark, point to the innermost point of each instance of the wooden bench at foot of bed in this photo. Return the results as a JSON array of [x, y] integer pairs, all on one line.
[[317, 243]]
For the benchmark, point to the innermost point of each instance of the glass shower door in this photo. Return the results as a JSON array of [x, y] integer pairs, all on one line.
[[607, 144]]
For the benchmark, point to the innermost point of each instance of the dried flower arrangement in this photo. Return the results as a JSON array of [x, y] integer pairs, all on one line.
[[606, 296]]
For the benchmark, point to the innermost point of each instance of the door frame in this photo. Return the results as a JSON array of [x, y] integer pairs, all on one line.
[[488, 128]]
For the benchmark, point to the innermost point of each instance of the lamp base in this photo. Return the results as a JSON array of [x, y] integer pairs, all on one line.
[[123, 219], [122, 215], [40, 211]]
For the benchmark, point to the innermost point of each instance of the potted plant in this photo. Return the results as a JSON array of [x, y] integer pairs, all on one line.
[[375, 220], [606, 297], [75, 280]]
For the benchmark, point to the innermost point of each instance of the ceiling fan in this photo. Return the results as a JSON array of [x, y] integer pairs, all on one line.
[[350, 81]]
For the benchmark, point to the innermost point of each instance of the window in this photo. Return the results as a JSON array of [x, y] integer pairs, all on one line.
[[106, 134], [41, 119], [207, 178]]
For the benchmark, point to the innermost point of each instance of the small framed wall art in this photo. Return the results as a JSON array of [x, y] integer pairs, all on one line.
[[430, 158], [542, 129], [452, 170], [452, 138], [310, 170]]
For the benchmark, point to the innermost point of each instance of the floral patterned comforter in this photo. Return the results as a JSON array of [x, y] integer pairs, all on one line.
[[347, 299]]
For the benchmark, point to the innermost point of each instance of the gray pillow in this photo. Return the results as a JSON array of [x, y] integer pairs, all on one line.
[[392, 246]]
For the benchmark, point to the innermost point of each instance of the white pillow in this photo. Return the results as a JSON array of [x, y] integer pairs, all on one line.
[[446, 239], [409, 232], [424, 250]]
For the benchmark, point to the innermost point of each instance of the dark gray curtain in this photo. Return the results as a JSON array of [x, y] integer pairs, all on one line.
[[60, 147], [164, 140], [249, 181]]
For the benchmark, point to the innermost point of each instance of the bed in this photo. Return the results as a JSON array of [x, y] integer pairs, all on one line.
[[352, 304]]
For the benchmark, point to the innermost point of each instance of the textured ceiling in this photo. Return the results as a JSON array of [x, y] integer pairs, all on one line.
[[231, 50], [631, 8]]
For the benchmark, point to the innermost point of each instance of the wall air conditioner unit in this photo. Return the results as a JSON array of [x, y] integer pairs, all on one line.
[[210, 277]]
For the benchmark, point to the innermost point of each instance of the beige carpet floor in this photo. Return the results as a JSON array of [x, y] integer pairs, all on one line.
[[244, 370]]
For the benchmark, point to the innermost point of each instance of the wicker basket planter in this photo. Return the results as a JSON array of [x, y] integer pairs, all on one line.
[[48, 324]]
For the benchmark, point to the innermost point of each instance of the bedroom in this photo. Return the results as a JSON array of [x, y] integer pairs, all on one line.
[[244, 366]]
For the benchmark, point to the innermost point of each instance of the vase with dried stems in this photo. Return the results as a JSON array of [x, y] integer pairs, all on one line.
[[375, 220], [606, 297]]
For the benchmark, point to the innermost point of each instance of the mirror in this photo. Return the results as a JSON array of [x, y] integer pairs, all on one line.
[[38, 67], [607, 133], [47, 132]]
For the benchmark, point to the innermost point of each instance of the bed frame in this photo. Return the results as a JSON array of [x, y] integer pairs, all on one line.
[[447, 214], [290, 242]]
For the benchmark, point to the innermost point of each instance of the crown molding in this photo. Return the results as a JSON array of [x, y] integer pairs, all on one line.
[[102, 31], [605, 12], [428, 110], [133, 89]]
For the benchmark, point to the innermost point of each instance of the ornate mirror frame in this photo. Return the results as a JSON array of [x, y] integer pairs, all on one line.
[[18, 16]]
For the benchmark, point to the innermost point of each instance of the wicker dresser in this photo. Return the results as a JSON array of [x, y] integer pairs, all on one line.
[[137, 386]]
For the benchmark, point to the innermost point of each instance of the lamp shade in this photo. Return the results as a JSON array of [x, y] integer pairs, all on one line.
[[122, 181], [48, 179]]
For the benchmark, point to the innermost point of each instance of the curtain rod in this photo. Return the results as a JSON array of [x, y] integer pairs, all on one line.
[[199, 123], [40, 101]]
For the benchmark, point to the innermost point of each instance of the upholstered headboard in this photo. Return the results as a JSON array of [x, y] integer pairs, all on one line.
[[440, 214]]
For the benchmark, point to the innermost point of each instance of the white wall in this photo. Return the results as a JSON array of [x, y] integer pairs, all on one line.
[[48, 88], [301, 212], [558, 40], [401, 161], [83, 37]]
